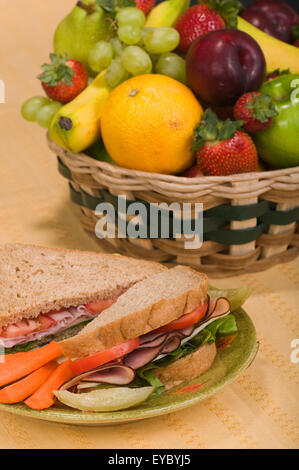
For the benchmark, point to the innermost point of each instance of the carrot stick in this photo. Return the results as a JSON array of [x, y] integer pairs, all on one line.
[[5, 358], [27, 363], [22, 389], [44, 396]]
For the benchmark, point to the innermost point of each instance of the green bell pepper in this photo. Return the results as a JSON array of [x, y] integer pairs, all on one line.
[[279, 144]]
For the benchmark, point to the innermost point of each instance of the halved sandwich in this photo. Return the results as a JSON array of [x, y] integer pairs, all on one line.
[[51, 294], [161, 332]]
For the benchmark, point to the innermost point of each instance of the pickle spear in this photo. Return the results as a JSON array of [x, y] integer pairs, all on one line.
[[106, 399], [236, 296]]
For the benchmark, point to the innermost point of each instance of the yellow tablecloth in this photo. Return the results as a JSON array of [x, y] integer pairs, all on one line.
[[258, 410]]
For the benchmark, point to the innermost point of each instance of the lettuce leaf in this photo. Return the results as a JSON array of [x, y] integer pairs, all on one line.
[[220, 327]]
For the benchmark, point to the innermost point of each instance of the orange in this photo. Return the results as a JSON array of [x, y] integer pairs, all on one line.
[[148, 123]]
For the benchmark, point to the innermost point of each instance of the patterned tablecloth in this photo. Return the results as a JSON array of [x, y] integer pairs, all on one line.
[[258, 410]]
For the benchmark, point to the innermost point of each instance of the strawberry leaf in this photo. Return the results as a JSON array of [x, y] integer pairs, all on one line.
[[57, 71], [262, 107], [228, 9], [212, 129]]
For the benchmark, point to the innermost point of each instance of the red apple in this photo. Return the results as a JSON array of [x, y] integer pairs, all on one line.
[[223, 65]]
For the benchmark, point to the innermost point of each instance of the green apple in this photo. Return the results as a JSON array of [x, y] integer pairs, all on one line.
[[279, 144], [80, 30]]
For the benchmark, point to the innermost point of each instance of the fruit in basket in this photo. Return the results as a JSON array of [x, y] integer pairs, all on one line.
[[100, 56], [276, 73], [132, 16], [116, 74], [256, 110], [193, 172], [278, 145], [221, 148], [32, 106], [63, 79], [202, 19], [148, 122], [40, 109], [76, 126], [172, 65], [278, 54], [166, 13], [46, 113], [274, 17], [99, 152], [223, 65], [80, 30], [161, 40], [136, 61], [145, 5]]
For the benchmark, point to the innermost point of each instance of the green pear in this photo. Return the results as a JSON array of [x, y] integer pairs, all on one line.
[[80, 30]]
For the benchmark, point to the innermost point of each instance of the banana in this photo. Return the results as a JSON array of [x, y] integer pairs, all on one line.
[[76, 126], [278, 54], [166, 13]]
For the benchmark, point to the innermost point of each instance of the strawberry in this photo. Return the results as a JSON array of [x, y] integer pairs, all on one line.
[[63, 79], [256, 110], [145, 5], [193, 172], [202, 19], [276, 73], [221, 148]]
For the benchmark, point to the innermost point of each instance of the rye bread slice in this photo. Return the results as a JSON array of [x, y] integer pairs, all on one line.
[[144, 307], [35, 280]]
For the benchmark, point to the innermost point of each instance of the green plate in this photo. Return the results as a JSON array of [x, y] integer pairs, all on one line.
[[230, 361]]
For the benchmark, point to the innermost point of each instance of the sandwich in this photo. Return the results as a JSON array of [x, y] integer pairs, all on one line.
[[160, 332], [51, 294], [153, 329]]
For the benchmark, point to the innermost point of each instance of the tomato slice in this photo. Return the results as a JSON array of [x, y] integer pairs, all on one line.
[[45, 322], [102, 357], [20, 328], [186, 320], [98, 307]]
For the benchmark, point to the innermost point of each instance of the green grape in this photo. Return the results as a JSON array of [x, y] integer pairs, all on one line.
[[136, 61], [100, 56], [32, 106], [45, 114], [172, 65], [131, 16], [161, 40], [116, 74], [117, 47], [129, 34]]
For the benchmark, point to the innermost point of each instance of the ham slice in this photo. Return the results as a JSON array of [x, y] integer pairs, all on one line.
[[112, 373], [63, 320], [153, 346]]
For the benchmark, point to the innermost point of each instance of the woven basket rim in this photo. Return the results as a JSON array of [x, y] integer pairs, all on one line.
[[242, 177]]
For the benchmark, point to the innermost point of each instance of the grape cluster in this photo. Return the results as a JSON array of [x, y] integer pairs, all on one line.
[[41, 110], [137, 50]]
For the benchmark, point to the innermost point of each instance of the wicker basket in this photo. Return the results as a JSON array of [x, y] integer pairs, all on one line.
[[250, 220]]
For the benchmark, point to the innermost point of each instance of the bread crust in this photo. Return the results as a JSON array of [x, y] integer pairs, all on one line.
[[98, 337], [35, 279], [188, 367]]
